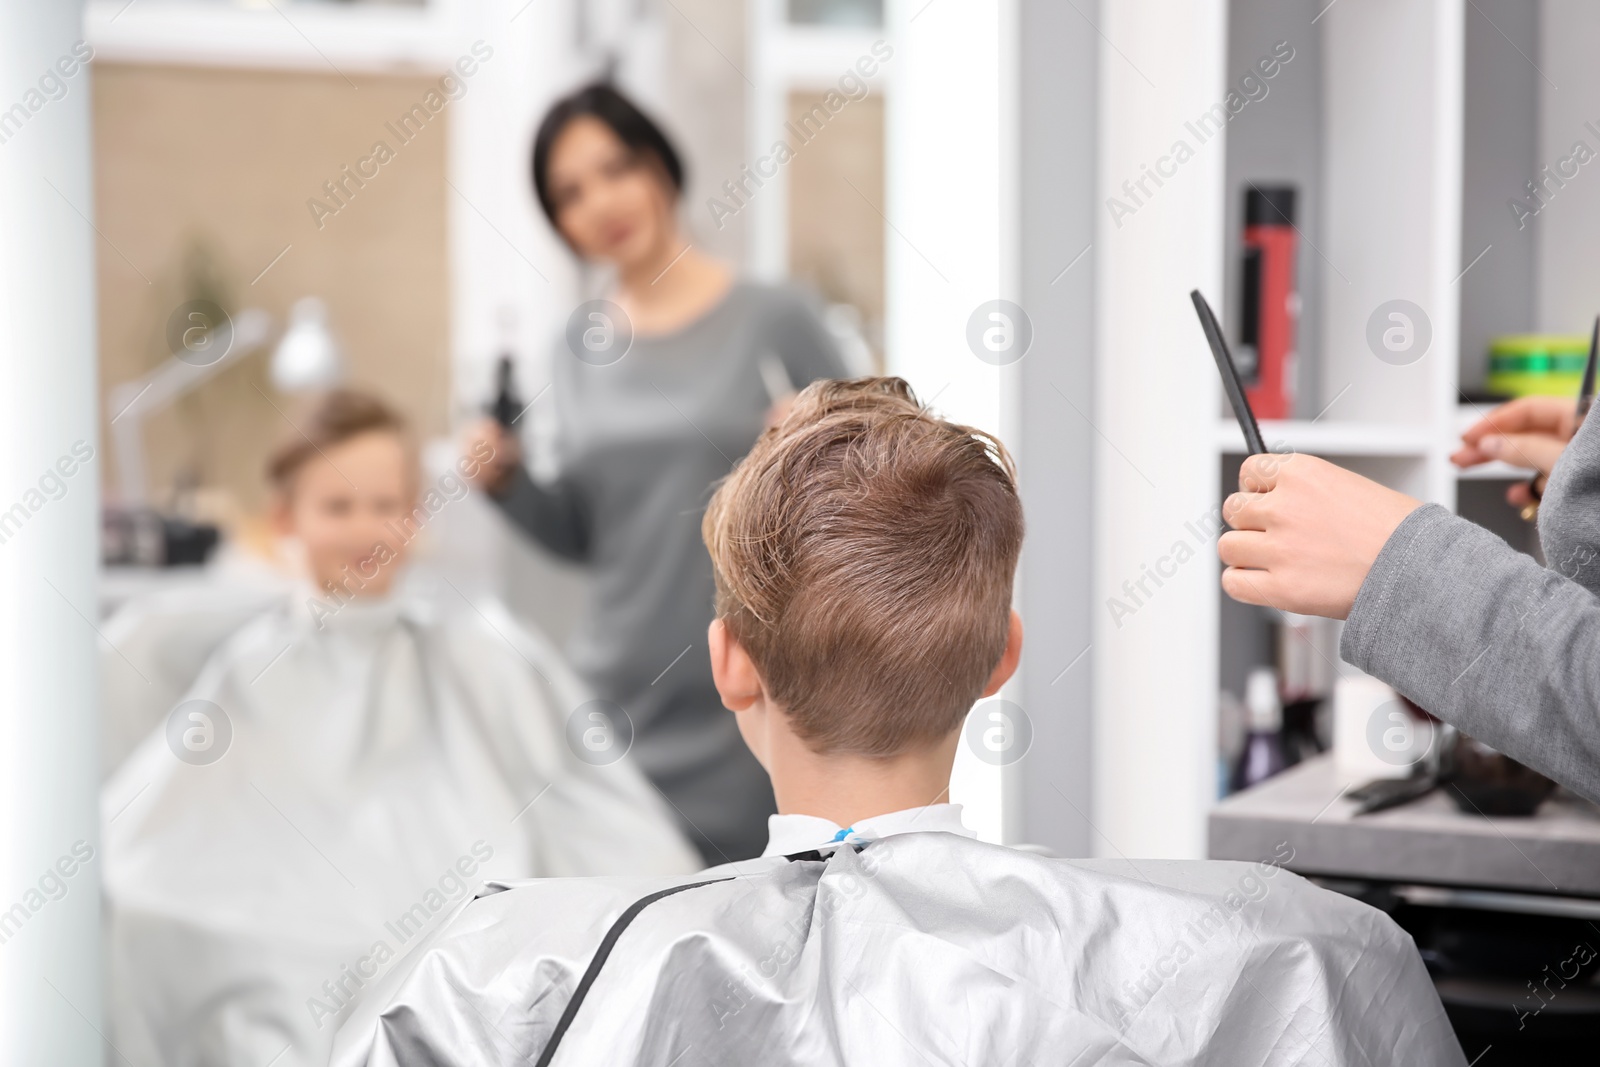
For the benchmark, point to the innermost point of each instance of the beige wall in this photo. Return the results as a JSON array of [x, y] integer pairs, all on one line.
[[199, 165], [836, 232]]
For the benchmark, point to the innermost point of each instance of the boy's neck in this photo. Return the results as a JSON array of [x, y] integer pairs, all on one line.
[[846, 789]]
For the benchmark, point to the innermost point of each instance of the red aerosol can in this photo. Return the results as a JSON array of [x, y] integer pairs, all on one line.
[[1269, 304]]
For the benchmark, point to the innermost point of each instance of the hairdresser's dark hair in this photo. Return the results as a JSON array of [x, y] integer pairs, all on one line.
[[632, 126]]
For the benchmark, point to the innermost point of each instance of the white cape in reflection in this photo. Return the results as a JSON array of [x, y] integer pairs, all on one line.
[[373, 770], [924, 948]]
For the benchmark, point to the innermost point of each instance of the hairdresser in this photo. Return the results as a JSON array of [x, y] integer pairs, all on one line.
[[656, 394], [1450, 615]]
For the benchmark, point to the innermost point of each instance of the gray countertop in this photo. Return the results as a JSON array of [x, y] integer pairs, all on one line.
[[1428, 841]]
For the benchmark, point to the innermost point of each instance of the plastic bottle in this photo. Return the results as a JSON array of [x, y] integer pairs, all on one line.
[[1263, 755]]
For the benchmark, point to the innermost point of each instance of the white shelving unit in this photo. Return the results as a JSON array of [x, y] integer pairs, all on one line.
[[1407, 103], [1330, 438]]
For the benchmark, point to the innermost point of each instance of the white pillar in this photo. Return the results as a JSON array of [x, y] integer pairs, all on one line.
[[503, 256], [49, 934], [1156, 411], [512, 280]]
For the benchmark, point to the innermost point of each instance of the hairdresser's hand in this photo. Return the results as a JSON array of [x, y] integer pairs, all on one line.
[[1305, 533], [495, 452], [1529, 432]]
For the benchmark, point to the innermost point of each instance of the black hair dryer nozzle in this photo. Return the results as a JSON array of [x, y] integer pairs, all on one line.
[[507, 403]]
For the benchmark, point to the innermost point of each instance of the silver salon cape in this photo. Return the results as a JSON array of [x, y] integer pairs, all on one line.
[[346, 787], [920, 948], [156, 644]]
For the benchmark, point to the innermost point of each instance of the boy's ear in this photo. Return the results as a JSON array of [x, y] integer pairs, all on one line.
[[732, 670], [1008, 659]]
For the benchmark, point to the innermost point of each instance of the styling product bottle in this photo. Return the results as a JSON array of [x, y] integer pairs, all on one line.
[[1269, 303], [1262, 756]]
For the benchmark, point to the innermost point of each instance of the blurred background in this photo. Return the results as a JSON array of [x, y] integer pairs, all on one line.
[[1062, 171]]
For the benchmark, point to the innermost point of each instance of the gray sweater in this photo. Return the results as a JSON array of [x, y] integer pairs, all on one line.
[[640, 445], [1482, 636]]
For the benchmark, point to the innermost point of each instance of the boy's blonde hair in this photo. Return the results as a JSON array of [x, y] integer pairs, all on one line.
[[864, 554], [330, 419]]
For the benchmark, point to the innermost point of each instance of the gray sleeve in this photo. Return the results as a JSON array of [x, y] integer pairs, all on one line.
[[552, 515], [1482, 636], [1569, 517], [797, 334]]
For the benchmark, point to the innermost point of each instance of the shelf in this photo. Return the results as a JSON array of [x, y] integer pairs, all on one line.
[[1330, 438], [1496, 471]]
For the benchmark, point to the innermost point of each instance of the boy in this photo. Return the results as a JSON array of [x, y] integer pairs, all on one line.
[[865, 552], [345, 769]]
